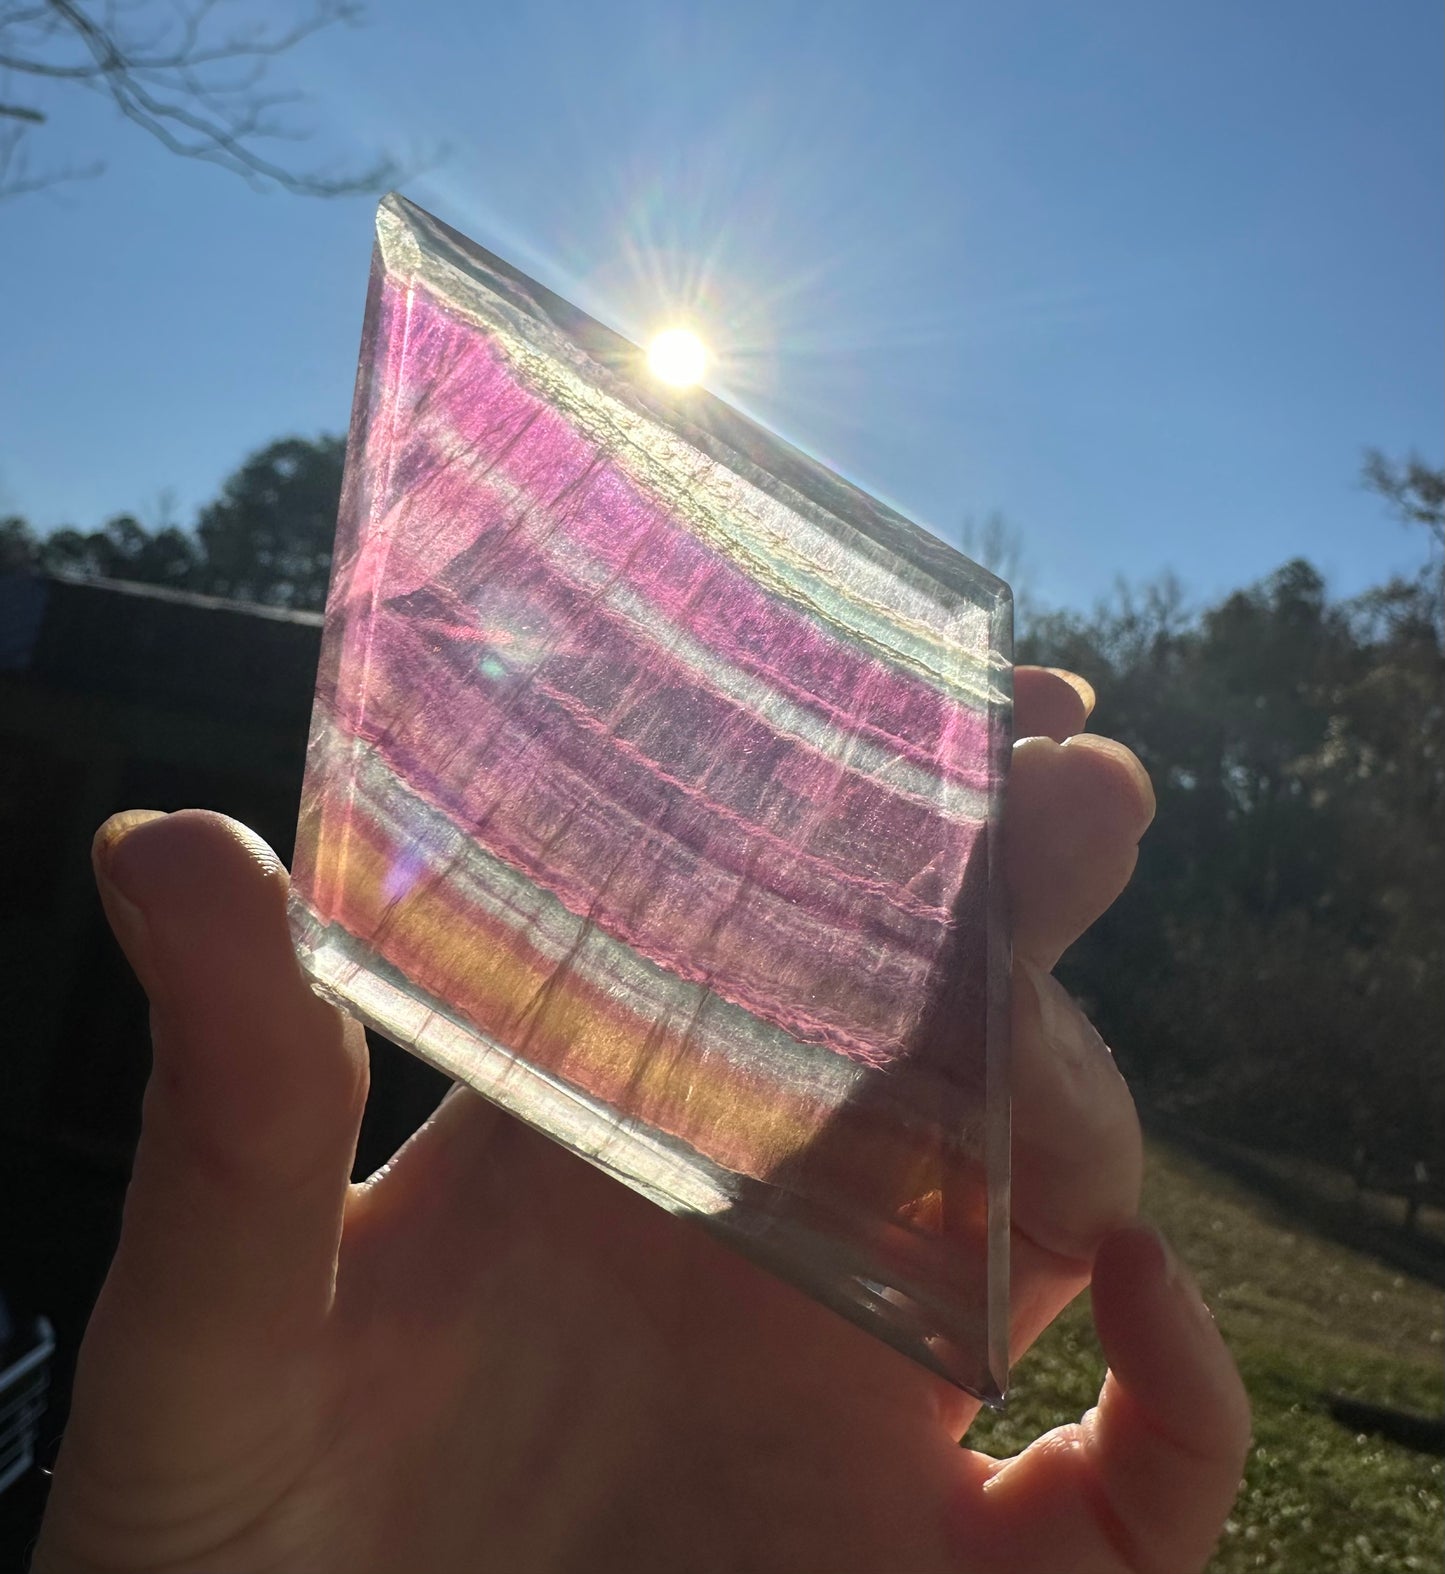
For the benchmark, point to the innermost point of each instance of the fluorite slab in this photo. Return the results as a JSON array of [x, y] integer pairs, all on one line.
[[654, 788]]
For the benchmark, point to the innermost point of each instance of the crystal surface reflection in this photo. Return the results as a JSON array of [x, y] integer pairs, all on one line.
[[653, 789]]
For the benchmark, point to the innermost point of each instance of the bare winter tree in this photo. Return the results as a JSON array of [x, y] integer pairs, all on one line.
[[1416, 493], [190, 73]]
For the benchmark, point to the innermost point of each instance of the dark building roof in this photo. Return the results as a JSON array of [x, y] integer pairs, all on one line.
[[141, 644]]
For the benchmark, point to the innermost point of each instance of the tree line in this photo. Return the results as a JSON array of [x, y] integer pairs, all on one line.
[[1276, 971], [266, 538]]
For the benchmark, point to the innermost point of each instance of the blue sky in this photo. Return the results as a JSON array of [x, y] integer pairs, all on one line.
[[1145, 278]]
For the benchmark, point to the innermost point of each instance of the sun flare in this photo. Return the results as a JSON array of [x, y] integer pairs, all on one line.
[[677, 356]]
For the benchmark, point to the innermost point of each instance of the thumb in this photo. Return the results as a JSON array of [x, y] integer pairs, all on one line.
[[256, 1090], [223, 1274]]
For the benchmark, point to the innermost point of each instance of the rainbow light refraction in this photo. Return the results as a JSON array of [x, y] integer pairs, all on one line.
[[654, 790]]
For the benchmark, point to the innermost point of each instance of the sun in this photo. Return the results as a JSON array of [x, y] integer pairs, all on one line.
[[677, 356]]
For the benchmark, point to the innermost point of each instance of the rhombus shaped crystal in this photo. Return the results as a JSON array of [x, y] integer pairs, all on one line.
[[653, 789]]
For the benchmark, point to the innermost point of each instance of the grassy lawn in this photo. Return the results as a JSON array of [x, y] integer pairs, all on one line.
[[1305, 1318]]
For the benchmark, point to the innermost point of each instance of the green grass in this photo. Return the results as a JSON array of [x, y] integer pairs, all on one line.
[[1304, 1318]]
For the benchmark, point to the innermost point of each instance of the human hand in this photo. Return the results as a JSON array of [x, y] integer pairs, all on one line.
[[492, 1357]]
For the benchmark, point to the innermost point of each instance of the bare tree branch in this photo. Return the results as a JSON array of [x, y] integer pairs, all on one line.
[[1414, 489], [171, 69], [16, 177]]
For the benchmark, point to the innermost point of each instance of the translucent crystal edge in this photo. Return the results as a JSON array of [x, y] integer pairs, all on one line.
[[411, 241]]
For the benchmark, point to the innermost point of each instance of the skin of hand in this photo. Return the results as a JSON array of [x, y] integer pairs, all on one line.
[[489, 1356]]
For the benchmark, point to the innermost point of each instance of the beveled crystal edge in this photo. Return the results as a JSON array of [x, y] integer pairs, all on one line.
[[780, 469], [998, 1037]]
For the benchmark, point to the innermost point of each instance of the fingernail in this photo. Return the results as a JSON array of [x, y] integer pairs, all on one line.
[[1081, 686], [1065, 1027], [127, 921], [1180, 1281]]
